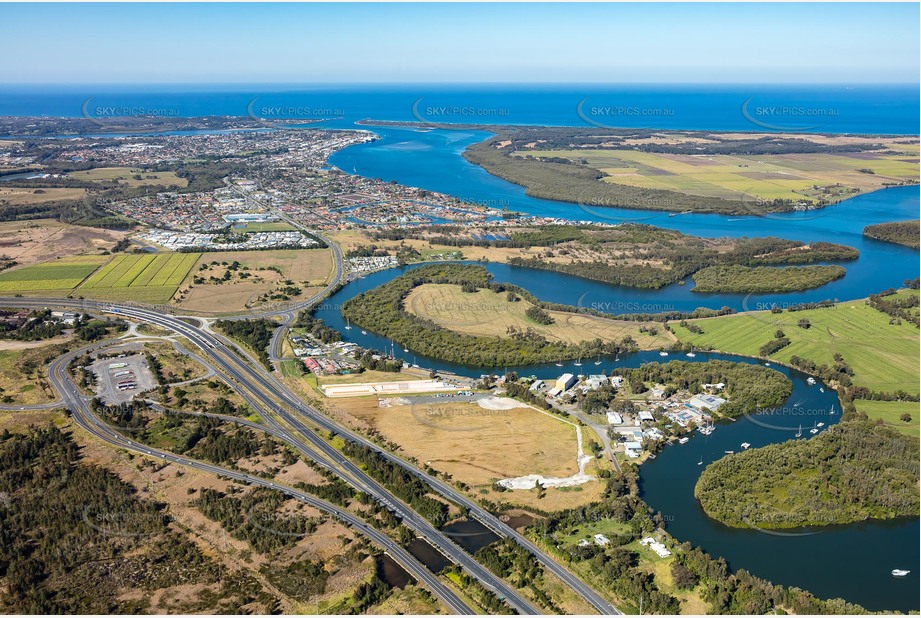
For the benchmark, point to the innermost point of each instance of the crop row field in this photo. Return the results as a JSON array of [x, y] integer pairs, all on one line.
[[145, 278], [62, 274]]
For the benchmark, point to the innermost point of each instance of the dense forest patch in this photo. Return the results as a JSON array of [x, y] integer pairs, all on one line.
[[899, 232], [851, 472]]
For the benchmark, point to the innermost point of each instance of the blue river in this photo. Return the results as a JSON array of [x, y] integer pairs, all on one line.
[[852, 562]]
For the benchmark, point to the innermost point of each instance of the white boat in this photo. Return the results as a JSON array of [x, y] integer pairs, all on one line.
[[406, 349], [821, 389], [364, 332], [663, 353], [832, 411], [729, 452], [815, 429], [900, 572], [799, 434], [348, 325], [821, 425], [690, 355], [767, 364], [578, 363], [810, 381], [683, 440], [598, 362], [701, 462], [745, 445], [560, 364]]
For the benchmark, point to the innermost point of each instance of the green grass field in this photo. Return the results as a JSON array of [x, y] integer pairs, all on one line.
[[785, 176], [884, 356], [890, 411], [145, 278], [61, 274]]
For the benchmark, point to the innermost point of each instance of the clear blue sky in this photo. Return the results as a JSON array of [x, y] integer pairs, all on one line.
[[237, 43]]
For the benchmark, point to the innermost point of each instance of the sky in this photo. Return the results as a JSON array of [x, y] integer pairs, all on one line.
[[450, 43]]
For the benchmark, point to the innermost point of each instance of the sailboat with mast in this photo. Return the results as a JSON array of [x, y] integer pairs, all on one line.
[[348, 325], [799, 434]]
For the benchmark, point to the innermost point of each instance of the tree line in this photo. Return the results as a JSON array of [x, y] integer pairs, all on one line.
[[382, 311]]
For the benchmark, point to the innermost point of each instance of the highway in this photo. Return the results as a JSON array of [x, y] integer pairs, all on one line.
[[75, 402], [259, 383], [329, 457]]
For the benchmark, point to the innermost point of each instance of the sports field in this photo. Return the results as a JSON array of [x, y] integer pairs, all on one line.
[[144, 278], [61, 275], [490, 314], [884, 356], [740, 177]]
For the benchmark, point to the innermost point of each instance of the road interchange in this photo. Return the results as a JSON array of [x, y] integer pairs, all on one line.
[[280, 405]]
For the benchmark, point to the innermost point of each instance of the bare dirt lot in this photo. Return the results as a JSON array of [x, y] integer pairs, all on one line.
[[32, 242], [260, 275], [473, 444]]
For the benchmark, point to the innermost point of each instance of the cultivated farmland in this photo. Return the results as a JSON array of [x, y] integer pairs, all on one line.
[[884, 356], [59, 276], [145, 278]]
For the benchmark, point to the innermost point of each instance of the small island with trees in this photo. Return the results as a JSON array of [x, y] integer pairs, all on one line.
[[854, 471], [905, 233], [456, 313]]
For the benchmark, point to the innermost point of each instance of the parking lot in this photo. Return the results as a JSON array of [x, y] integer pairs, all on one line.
[[119, 379]]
